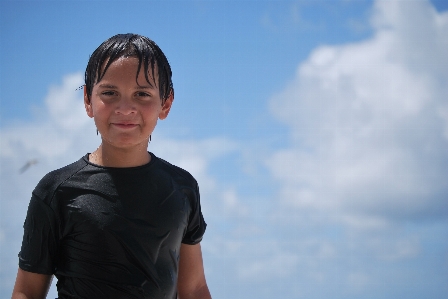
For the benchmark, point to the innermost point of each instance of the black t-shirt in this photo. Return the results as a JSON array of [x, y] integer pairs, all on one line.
[[112, 232]]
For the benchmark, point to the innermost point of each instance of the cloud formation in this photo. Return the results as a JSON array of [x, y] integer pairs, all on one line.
[[368, 122], [362, 182]]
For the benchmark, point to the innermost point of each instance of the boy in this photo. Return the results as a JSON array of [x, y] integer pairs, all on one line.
[[120, 222]]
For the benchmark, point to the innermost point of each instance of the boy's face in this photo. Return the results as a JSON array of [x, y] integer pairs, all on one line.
[[125, 112]]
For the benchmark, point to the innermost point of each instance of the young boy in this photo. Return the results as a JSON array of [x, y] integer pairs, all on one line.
[[119, 222]]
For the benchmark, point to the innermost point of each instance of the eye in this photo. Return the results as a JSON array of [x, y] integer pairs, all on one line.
[[143, 94], [108, 93]]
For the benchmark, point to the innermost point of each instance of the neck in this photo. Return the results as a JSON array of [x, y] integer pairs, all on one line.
[[111, 156]]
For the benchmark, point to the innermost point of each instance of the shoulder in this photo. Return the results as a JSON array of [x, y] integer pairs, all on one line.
[[175, 172], [48, 185]]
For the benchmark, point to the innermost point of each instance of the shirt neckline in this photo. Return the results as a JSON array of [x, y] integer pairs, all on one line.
[[153, 159]]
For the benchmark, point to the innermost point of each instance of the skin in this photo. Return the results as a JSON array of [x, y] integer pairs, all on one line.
[[191, 282], [31, 285], [125, 113]]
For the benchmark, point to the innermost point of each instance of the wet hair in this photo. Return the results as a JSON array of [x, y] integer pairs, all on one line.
[[149, 56]]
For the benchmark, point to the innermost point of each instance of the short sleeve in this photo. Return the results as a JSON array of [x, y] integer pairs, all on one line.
[[196, 224], [39, 246]]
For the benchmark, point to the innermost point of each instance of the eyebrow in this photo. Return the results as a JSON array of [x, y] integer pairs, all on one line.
[[144, 87]]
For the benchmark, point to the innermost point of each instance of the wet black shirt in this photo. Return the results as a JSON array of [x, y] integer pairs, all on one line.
[[112, 232]]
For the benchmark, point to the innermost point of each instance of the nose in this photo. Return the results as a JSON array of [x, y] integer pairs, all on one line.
[[125, 106]]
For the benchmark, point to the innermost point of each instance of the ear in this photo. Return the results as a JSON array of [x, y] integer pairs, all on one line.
[[166, 107], [87, 103]]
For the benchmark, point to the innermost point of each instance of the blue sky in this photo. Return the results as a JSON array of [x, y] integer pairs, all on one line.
[[318, 132]]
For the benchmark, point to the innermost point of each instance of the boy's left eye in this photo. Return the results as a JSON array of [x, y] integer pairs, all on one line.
[[143, 94]]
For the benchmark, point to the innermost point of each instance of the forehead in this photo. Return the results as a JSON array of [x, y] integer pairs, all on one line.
[[125, 67]]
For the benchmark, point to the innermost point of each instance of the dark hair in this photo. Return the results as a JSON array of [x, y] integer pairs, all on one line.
[[130, 45]]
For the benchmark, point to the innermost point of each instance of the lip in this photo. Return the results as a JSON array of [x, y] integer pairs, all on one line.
[[124, 125]]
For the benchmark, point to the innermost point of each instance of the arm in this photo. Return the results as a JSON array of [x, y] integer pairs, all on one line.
[[191, 283], [31, 285]]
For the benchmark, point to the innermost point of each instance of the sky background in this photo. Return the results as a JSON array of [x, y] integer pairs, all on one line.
[[318, 132]]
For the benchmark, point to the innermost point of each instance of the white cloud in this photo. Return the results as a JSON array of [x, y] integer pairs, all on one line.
[[65, 105], [368, 122], [268, 268], [193, 155], [232, 205], [59, 134], [362, 181]]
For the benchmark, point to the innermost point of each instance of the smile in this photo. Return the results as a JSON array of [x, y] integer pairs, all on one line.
[[124, 126]]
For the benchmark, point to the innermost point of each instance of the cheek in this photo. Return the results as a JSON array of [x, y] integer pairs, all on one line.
[[100, 115], [99, 109], [151, 113]]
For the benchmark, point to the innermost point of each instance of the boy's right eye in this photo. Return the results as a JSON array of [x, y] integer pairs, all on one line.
[[108, 93]]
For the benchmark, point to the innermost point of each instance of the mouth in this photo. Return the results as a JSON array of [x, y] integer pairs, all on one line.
[[124, 125]]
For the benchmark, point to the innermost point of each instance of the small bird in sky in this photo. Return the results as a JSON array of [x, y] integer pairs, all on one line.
[[28, 165]]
